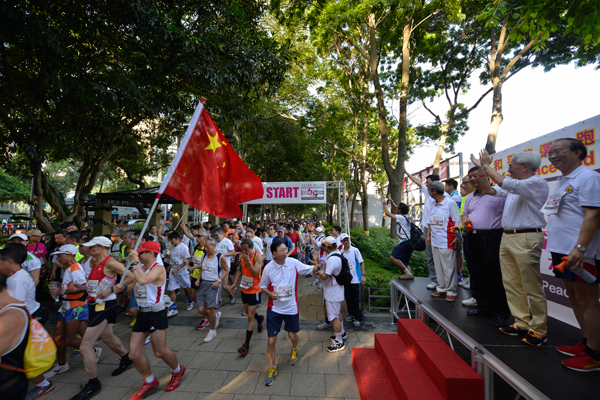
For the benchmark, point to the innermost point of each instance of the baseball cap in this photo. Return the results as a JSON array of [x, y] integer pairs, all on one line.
[[149, 246], [21, 236], [344, 236], [330, 240], [319, 229], [98, 241], [66, 249], [34, 232], [281, 229]]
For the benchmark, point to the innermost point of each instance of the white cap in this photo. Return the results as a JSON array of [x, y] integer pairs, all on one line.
[[98, 241], [330, 240], [319, 229], [21, 236], [66, 249], [344, 236]]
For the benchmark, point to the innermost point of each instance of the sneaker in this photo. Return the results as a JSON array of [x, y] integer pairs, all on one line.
[[57, 369], [316, 282], [436, 294], [39, 391], [98, 351], [202, 324], [172, 312], [123, 365], [217, 320], [244, 349], [75, 353], [175, 379], [259, 326], [349, 318], [336, 346], [146, 387], [470, 302], [88, 391], [271, 376], [533, 339], [513, 330], [211, 335], [406, 276], [582, 362], [571, 350], [357, 323], [221, 304], [466, 283], [308, 275], [450, 298], [323, 325], [132, 323], [147, 342], [344, 337], [232, 297], [55, 319], [190, 306], [432, 285], [294, 357]]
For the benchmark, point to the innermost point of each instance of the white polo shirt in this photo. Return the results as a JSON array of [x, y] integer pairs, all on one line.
[[427, 204], [283, 279], [225, 246], [442, 217], [354, 259], [332, 291], [524, 200], [581, 188]]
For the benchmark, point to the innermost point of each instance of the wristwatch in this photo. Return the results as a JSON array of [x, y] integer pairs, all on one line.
[[581, 248], [135, 263]]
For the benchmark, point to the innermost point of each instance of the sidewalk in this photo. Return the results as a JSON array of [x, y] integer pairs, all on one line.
[[216, 371]]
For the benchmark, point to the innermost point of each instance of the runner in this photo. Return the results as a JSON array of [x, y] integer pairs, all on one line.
[[268, 239], [295, 239], [235, 263], [196, 269], [251, 262], [214, 271], [280, 282], [102, 303], [32, 264], [74, 309], [225, 247], [178, 275], [150, 279]]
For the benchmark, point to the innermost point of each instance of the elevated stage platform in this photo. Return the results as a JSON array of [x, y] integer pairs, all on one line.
[[534, 372]]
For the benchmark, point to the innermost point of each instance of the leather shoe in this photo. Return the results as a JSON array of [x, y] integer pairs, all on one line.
[[479, 313], [499, 322]]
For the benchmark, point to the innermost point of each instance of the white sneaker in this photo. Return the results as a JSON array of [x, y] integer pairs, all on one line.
[[217, 320], [432, 285], [57, 369], [349, 318], [190, 306], [232, 297], [463, 282], [147, 342], [470, 302], [323, 325], [211, 335], [172, 312], [98, 351]]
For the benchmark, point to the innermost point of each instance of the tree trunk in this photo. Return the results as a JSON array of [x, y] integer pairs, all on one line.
[[352, 210], [364, 195], [438, 156], [38, 210], [497, 116]]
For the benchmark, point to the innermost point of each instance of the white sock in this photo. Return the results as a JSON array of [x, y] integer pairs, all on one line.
[[176, 370], [150, 379], [338, 337], [44, 383], [407, 272], [342, 322]]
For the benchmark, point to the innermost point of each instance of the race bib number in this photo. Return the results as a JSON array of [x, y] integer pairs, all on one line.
[[246, 282], [553, 203], [207, 268], [141, 294], [197, 260], [436, 221], [92, 288], [116, 255], [285, 292]]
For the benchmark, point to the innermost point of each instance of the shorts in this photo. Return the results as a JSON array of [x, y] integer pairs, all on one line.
[[274, 320], [403, 252], [233, 269], [41, 314], [193, 283], [207, 296], [251, 299], [77, 313], [132, 301], [179, 282], [571, 276], [334, 309], [109, 313], [151, 321]]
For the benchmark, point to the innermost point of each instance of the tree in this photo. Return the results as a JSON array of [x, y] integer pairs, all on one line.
[[12, 189]]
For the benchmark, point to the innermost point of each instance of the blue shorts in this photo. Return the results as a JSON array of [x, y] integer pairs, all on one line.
[[571, 276], [403, 252], [76, 313], [132, 301], [274, 320]]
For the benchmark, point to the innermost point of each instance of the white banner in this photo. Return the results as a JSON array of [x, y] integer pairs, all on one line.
[[293, 193], [559, 305]]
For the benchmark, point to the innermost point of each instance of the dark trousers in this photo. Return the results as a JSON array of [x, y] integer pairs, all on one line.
[[482, 251], [352, 293]]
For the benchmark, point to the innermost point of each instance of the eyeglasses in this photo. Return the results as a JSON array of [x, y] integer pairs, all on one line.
[[556, 152]]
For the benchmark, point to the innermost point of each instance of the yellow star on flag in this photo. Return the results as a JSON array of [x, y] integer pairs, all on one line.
[[214, 143]]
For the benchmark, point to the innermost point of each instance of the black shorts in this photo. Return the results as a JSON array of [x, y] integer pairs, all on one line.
[[193, 283], [251, 299], [233, 269], [109, 314], [151, 321]]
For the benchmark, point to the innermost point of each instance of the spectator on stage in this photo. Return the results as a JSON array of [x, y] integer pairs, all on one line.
[[574, 214], [427, 204], [443, 217], [465, 189], [403, 251], [451, 187], [522, 241], [482, 250]]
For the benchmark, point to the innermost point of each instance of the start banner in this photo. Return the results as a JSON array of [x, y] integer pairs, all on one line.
[[559, 305], [293, 193]]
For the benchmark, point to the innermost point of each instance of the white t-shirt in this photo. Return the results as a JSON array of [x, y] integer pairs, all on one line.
[[257, 243], [524, 200], [333, 266], [402, 227], [31, 263], [223, 247], [178, 254], [442, 217], [354, 259], [21, 287], [283, 279], [581, 188], [268, 242]]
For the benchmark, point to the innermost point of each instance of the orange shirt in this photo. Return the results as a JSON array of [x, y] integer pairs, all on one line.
[[249, 283]]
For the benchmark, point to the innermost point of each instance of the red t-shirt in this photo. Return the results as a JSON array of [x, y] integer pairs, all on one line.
[[295, 241]]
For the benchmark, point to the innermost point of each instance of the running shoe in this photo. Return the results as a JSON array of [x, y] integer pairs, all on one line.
[[357, 323], [294, 357], [211, 335], [176, 379], [450, 298], [232, 297], [76, 353], [513, 330], [260, 323], [432, 285], [349, 318], [271, 376], [39, 391], [190, 306], [470, 302], [57, 369], [582, 363], [571, 350], [436, 294], [98, 351], [534, 339], [202, 324], [323, 325], [336, 346], [344, 336], [217, 320], [146, 387], [244, 349], [123, 365], [172, 312], [88, 391], [147, 341]]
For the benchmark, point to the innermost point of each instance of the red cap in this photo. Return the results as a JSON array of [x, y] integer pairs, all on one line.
[[149, 246]]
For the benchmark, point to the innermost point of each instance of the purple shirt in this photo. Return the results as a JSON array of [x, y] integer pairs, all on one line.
[[485, 212]]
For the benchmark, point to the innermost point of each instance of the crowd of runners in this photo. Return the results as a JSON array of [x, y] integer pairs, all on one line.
[[96, 278]]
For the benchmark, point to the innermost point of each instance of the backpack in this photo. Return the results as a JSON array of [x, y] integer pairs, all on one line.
[[40, 351], [417, 238], [345, 276]]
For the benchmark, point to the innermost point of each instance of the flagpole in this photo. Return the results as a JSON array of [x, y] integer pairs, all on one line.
[[181, 217]]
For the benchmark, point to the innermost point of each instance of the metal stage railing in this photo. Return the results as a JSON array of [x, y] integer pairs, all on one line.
[[482, 361]]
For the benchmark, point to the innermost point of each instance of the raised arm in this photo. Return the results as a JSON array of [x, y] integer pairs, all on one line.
[[413, 178], [484, 182], [386, 211], [486, 161]]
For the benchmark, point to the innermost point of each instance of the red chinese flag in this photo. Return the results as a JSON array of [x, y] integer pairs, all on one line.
[[207, 173]]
